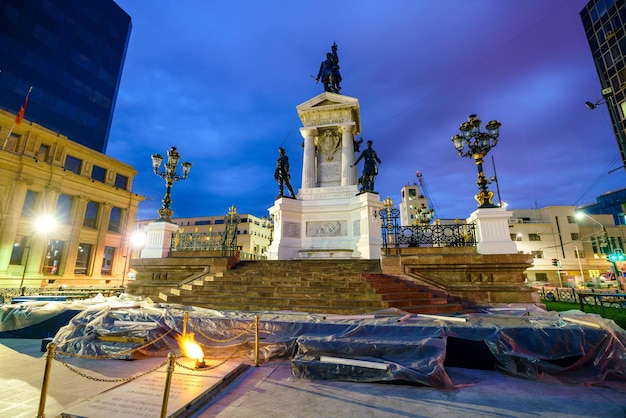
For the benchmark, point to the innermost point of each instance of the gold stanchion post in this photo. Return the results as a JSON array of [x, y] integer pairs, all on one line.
[[171, 358], [46, 378], [185, 320], [256, 341]]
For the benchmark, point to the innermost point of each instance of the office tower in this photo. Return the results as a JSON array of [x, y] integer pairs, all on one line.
[[71, 52]]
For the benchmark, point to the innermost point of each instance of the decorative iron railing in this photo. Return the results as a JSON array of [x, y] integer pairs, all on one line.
[[197, 241], [424, 235]]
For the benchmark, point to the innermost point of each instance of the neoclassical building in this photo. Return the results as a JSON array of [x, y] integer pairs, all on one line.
[[87, 198]]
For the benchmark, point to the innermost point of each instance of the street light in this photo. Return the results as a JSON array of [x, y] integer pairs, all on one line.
[[170, 176], [137, 240], [604, 243], [42, 224], [423, 215], [478, 145]]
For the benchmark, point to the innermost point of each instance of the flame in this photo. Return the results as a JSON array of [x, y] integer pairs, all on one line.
[[189, 347]]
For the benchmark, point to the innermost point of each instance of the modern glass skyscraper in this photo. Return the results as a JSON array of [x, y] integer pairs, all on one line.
[[71, 52], [605, 26]]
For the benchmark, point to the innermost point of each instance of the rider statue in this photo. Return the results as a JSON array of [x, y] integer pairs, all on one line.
[[329, 72], [370, 168]]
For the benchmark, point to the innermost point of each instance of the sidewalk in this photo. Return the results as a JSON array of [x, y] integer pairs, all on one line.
[[271, 391]]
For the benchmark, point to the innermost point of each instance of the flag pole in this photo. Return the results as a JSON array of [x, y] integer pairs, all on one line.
[[18, 118]]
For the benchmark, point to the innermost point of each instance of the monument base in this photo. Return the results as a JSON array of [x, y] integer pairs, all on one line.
[[492, 231], [158, 239], [326, 222]]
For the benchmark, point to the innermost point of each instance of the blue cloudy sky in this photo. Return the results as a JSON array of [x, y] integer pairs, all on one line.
[[220, 80]]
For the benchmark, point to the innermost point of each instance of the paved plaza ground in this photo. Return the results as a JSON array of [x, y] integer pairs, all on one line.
[[271, 391]]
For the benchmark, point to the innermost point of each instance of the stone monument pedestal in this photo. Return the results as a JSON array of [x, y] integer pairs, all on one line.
[[158, 235], [492, 231], [326, 222]]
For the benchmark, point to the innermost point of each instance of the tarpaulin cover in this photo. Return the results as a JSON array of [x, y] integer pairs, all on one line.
[[386, 345]]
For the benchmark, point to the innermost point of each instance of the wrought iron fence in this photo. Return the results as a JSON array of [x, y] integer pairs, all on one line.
[[424, 235], [225, 240], [197, 241]]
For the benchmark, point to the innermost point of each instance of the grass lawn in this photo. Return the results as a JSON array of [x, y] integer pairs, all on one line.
[[617, 315]]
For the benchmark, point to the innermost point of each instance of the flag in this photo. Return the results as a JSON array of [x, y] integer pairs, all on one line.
[[20, 114]]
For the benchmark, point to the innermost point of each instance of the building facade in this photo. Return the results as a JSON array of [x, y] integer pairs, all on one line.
[[254, 234], [89, 197], [567, 250], [613, 203], [71, 53], [604, 22]]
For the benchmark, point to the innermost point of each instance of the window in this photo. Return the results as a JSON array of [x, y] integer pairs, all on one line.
[[571, 219], [537, 254], [575, 236], [579, 253], [98, 173], [30, 203], [44, 151], [115, 220], [107, 260], [64, 208], [541, 277], [54, 252], [219, 222], [19, 250], [412, 194], [121, 182], [534, 237], [12, 142], [82, 258], [73, 164], [91, 215]]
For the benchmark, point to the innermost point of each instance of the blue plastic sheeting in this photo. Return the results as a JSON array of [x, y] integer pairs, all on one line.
[[34, 319], [389, 345]]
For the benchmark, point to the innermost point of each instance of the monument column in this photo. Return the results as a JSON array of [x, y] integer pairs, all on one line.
[[308, 160], [348, 172]]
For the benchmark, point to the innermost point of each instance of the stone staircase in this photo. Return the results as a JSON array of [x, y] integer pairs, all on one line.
[[316, 286]]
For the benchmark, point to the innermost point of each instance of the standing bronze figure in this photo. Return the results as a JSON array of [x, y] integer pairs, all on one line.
[[329, 71], [282, 173], [370, 168]]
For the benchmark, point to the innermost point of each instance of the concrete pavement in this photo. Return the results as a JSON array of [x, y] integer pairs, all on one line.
[[271, 391]]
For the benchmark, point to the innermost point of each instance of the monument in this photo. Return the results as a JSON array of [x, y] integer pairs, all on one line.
[[330, 217]]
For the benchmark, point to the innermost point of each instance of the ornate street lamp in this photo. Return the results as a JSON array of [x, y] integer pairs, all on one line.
[[478, 145], [170, 176], [423, 215]]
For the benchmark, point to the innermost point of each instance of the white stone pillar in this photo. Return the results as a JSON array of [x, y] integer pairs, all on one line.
[[348, 172], [308, 161], [158, 239], [492, 231]]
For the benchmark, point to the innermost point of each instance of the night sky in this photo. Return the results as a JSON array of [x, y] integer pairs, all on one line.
[[220, 80]]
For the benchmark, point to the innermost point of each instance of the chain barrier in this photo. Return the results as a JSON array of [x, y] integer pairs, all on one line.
[[207, 368], [52, 354], [100, 379]]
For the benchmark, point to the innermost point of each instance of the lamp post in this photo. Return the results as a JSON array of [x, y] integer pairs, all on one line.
[[478, 145], [137, 239], [41, 224], [423, 215], [604, 243], [170, 176]]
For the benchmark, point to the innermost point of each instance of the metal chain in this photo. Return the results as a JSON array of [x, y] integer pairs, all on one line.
[[202, 369], [100, 379]]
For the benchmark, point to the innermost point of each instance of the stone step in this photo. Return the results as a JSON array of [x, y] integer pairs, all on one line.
[[315, 286]]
